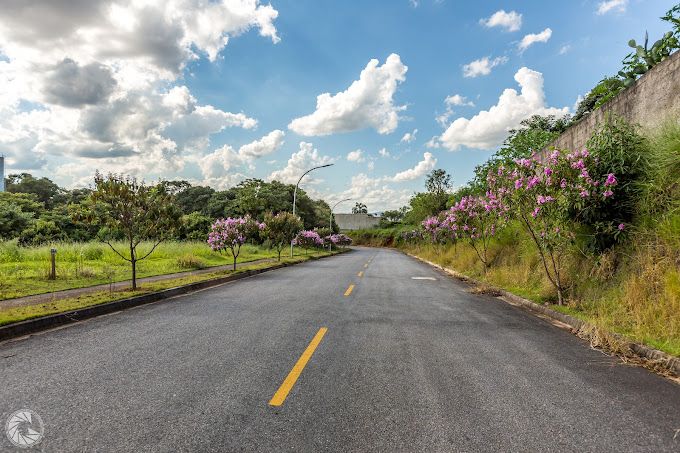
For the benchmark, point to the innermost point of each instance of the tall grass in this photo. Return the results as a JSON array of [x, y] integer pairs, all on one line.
[[25, 270]]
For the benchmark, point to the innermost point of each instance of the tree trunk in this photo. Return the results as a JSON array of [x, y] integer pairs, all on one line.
[[279, 250], [133, 261], [234, 263]]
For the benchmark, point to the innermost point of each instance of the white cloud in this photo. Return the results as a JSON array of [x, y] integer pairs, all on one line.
[[356, 156], [612, 5], [482, 66], [457, 99], [421, 168], [264, 146], [511, 21], [533, 38], [450, 102], [371, 165], [94, 83], [409, 136], [368, 102], [414, 3], [376, 193], [383, 152], [489, 128], [433, 143], [221, 161], [299, 162], [564, 49]]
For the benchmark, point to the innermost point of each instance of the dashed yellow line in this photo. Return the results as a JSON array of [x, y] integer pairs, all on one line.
[[281, 394], [360, 274], [349, 290]]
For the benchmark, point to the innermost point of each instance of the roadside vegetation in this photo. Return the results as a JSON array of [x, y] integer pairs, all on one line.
[[59, 305], [25, 270], [123, 229], [617, 248]]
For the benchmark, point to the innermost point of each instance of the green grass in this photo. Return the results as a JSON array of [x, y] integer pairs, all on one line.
[[24, 270], [67, 304]]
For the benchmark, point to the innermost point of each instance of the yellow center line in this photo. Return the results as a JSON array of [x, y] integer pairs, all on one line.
[[349, 290], [281, 394], [360, 274]]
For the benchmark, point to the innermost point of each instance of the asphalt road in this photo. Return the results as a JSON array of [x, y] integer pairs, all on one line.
[[405, 365]]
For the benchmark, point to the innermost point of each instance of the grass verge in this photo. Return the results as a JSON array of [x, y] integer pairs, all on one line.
[[17, 314]]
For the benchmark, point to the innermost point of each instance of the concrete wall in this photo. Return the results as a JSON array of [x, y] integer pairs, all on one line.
[[652, 98], [356, 221]]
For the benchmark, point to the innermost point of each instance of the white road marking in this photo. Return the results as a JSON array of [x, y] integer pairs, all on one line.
[[423, 278]]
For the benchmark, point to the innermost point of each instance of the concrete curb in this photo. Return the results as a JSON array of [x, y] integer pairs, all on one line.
[[668, 361], [35, 325]]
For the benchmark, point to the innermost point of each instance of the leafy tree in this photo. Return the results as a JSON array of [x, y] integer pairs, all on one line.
[[41, 232], [438, 184], [219, 203], [605, 90], [359, 208], [195, 199], [533, 135], [44, 189], [195, 226], [13, 220], [125, 207], [281, 229]]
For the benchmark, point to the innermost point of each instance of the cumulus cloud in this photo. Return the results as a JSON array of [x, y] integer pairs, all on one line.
[[607, 6], [420, 169], [488, 128], [221, 161], [368, 102], [71, 85], [302, 160], [264, 146], [96, 79], [356, 156], [409, 136], [383, 152], [376, 193], [482, 66], [511, 21], [533, 38]]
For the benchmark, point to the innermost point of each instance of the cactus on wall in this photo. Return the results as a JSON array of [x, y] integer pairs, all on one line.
[[645, 58]]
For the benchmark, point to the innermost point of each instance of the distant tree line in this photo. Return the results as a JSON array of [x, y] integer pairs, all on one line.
[[36, 210]]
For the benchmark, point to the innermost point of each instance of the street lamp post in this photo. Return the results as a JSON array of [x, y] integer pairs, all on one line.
[[330, 221], [295, 195]]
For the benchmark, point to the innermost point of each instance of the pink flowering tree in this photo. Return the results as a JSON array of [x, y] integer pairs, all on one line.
[[231, 233], [547, 194], [475, 219], [338, 240], [308, 239]]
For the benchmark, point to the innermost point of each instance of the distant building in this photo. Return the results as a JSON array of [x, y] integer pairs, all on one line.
[[2, 173], [356, 221]]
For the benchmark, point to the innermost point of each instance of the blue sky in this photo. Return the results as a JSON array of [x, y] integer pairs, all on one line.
[[76, 107]]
